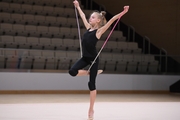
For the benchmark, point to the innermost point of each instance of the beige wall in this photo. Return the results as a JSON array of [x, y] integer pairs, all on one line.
[[157, 19]]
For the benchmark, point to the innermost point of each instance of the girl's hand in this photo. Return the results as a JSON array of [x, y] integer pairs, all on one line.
[[76, 3], [126, 8]]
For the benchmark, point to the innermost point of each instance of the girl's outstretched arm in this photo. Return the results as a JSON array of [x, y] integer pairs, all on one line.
[[108, 24], [81, 13]]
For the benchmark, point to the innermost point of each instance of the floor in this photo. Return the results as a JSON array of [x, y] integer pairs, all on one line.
[[75, 106]]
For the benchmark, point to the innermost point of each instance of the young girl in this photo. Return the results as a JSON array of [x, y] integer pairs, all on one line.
[[96, 26]]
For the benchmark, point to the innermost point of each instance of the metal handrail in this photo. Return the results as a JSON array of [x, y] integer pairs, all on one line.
[[162, 49], [133, 29], [149, 41]]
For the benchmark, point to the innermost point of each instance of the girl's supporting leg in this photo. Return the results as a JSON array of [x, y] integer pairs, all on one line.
[[92, 87], [76, 71], [91, 106]]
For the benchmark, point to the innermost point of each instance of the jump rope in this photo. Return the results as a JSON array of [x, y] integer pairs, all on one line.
[[102, 45]]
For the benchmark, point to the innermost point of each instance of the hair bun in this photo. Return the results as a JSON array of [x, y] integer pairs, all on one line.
[[103, 13]]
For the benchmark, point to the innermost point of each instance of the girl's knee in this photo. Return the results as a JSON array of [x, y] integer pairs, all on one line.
[[91, 86], [73, 72]]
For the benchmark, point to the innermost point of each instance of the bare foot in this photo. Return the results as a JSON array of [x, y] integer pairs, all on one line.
[[91, 115], [100, 71]]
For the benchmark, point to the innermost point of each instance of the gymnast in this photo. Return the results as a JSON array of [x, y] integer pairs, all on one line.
[[96, 26]]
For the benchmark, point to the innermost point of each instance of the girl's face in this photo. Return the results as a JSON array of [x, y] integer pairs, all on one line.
[[94, 19]]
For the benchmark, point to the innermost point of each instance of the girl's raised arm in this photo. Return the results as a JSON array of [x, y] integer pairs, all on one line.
[[108, 24], [83, 17]]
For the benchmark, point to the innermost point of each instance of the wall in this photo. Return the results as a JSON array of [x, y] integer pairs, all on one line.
[[63, 81], [157, 19]]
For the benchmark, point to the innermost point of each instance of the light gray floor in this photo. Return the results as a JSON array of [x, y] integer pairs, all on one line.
[[66, 98], [74, 107]]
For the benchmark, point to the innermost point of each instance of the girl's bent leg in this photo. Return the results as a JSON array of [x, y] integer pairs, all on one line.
[[76, 68], [85, 72]]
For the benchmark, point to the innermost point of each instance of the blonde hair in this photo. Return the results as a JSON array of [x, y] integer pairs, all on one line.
[[101, 16]]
